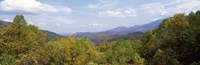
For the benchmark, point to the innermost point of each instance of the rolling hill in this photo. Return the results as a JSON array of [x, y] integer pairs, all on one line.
[[50, 35]]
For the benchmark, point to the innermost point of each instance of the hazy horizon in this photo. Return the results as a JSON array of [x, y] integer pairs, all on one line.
[[70, 16]]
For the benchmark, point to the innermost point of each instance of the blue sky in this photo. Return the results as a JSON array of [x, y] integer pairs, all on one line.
[[72, 16]]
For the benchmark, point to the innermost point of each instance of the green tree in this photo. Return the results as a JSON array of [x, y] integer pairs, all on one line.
[[70, 51], [121, 52], [180, 33], [20, 39], [166, 57]]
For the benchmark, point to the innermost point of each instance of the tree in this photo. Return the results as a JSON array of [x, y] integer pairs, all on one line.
[[121, 52], [180, 33], [19, 38], [70, 51], [166, 57]]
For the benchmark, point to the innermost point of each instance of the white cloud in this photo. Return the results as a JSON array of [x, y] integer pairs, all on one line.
[[31, 6], [93, 27], [7, 20], [97, 25], [103, 4], [189, 6], [185, 6], [120, 13], [58, 24], [153, 8], [159, 9], [148, 9]]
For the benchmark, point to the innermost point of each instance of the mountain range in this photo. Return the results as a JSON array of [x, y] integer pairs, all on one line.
[[133, 32], [124, 30]]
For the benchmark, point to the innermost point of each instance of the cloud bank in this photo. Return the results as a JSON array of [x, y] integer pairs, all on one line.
[[160, 8], [118, 13], [30, 7]]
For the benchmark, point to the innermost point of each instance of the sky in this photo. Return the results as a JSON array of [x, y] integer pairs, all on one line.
[[71, 16]]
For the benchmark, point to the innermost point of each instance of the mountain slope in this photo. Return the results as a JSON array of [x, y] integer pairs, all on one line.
[[134, 32], [50, 35], [3, 24], [140, 28], [123, 30]]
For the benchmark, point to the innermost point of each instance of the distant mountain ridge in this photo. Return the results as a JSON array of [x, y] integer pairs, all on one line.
[[133, 32], [123, 30], [50, 35]]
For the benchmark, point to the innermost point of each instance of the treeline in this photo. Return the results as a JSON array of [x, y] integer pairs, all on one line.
[[175, 42]]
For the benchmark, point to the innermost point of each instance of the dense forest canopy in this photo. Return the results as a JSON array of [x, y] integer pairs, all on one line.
[[175, 42]]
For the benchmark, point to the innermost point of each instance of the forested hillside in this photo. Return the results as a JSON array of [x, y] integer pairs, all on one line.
[[49, 35], [175, 42]]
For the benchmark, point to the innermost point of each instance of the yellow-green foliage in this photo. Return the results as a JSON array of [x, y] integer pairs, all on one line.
[[175, 42], [19, 39], [121, 53], [69, 51]]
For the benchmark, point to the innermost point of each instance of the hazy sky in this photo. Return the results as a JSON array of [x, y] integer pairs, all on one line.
[[62, 16]]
